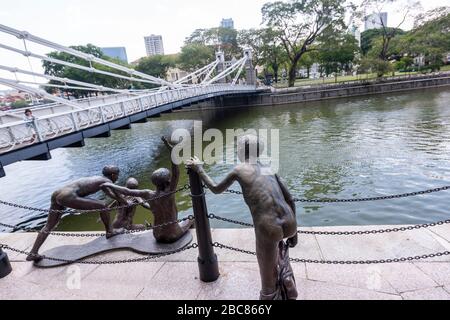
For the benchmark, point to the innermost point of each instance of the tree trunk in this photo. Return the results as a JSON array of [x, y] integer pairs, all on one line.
[[275, 72], [293, 73]]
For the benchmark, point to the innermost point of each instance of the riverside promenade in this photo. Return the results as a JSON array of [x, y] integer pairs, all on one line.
[[175, 277]]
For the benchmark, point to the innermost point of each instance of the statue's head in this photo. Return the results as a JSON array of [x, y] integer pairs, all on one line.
[[132, 183], [249, 148], [111, 172], [161, 178]]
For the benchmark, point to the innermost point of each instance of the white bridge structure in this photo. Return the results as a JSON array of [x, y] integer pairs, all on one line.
[[66, 123]]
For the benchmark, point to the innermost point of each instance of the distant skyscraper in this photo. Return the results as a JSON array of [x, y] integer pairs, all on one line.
[[154, 45], [376, 20], [227, 23], [356, 33], [116, 52]]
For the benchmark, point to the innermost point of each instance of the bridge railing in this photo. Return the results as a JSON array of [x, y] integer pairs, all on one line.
[[21, 134]]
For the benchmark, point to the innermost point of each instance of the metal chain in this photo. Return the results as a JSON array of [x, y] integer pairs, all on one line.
[[397, 196], [336, 262], [213, 216], [367, 232], [88, 235], [101, 262], [73, 211], [344, 233]]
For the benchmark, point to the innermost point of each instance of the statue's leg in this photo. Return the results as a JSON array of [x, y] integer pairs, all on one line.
[[79, 203], [286, 273], [52, 222], [267, 254], [185, 226]]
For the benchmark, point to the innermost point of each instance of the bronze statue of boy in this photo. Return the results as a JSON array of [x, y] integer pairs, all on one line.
[[273, 212], [124, 218], [73, 196], [162, 202]]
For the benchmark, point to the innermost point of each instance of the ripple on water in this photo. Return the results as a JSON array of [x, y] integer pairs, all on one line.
[[349, 148]]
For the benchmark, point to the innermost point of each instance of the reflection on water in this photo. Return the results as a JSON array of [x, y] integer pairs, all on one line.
[[345, 148]]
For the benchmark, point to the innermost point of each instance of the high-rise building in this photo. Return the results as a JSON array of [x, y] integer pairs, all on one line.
[[354, 31], [227, 23], [154, 45], [116, 52], [376, 20]]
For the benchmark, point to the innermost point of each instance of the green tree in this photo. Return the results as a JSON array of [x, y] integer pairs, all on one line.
[[267, 49], [337, 52], [217, 38], [62, 71], [380, 67], [368, 37], [407, 10], [298, 23], [19, 104], [194, 56], [430, 37], [156, 66]]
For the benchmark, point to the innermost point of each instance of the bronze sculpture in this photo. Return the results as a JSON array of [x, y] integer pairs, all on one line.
[[124, 218], [162, 202], [73, 196], [273, 212]]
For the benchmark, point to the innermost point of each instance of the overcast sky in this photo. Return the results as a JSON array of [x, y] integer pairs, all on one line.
[[108, 23]]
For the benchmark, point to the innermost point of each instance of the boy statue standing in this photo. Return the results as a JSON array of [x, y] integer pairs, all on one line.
[[74, 196], [273, 212]]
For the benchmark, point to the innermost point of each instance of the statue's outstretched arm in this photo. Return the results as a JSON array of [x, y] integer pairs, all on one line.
[[196, 165], [175, 170], [128, 192], [217, 187]]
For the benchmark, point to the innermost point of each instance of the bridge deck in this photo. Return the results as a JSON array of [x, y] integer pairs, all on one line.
[[176, 277], [34, 141]]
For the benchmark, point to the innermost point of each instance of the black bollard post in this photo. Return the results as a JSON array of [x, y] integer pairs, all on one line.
[[207, 259], [5, 265]]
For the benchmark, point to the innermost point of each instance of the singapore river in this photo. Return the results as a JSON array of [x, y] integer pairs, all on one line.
[[348, 148]]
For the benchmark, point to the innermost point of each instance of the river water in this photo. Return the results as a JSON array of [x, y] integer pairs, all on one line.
[[347, 148]]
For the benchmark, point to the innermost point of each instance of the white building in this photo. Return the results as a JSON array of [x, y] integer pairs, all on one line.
[[354, 31], [376, 21], [154, 45]]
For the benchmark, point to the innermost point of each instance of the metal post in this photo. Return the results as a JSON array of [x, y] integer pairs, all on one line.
[[207, 259], [5, 265]]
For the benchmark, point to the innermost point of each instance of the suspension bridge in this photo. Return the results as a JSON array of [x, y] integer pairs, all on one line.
[[66, 123]]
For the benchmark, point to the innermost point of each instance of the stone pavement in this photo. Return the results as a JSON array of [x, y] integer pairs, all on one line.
[[176, 277]]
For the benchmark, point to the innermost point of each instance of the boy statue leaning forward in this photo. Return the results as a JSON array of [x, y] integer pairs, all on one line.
[[273, 213]]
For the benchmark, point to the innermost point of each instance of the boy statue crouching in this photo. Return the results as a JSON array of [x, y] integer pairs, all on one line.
[[273, 213]]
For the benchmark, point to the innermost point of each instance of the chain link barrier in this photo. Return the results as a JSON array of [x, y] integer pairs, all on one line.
[[103, 262], [342, 262], [397, 196], [344, 233], [89, 235]]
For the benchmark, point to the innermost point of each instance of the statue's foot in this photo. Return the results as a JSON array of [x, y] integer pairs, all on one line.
[[272, 296], [290, 288], [34, 257]]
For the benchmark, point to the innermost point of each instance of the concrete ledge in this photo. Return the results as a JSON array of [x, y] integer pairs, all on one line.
[[176, 277]]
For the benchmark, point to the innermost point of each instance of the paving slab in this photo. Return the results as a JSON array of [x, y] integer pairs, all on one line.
[[318, 290], [437, 293], [177, 276], [367, 277]]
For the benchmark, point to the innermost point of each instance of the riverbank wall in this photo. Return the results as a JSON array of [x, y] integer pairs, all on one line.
[[335, 91]]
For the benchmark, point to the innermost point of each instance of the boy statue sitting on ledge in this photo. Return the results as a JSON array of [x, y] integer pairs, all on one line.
[[273, 213], [163, 206]]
